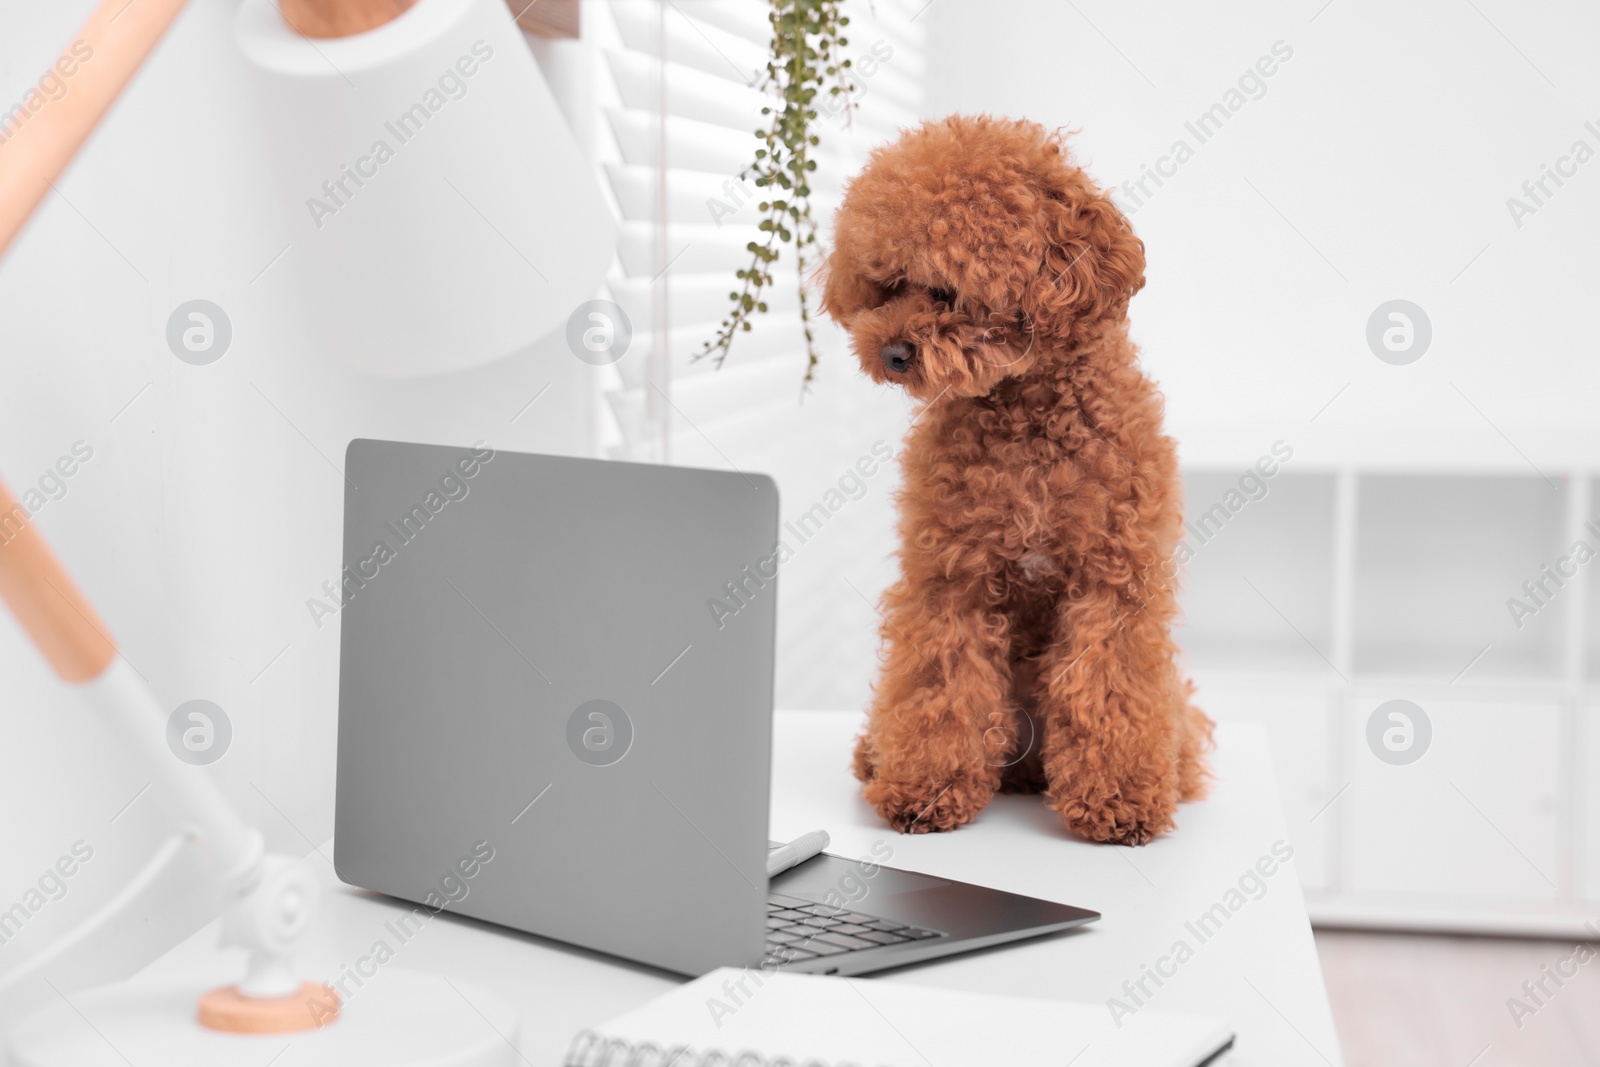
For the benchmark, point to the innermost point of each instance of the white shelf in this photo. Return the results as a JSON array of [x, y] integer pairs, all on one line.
[[1354, 583], [1429, 418], [1204, 654], [1435, 664], [1507, 917]]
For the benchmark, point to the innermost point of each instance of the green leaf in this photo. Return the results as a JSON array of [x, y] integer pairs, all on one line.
[[805, 60]]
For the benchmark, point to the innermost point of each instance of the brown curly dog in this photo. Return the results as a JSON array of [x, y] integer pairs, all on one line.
[[1027, 643]]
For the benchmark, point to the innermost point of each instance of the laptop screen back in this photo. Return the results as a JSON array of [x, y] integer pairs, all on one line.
[[555, 696]]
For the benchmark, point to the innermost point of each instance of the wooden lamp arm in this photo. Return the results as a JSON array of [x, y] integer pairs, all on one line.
[[46, 601], [39, 138]]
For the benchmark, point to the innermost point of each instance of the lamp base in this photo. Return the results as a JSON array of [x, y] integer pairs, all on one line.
[[397, 1018], [231, 1012]]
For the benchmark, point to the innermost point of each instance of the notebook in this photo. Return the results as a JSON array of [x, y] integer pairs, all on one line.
[[753, 1019]]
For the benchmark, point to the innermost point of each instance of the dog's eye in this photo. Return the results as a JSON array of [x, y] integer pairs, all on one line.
[[942, 296], [888, 292]]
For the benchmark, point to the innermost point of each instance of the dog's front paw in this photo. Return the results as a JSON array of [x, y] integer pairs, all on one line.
[[1121, 817], [926, 807]]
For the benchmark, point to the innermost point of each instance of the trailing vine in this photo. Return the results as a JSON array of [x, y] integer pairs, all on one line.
[[806, 59]]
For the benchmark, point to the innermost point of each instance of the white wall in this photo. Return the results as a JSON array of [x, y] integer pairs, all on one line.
[[1390, 140]]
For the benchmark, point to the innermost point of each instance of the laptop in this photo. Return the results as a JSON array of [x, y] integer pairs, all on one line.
[[555, 714]]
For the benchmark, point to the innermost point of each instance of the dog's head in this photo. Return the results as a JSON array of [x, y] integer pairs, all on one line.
[[970, 250]]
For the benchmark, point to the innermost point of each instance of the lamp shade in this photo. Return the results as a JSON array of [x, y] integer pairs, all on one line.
[[436, 210]]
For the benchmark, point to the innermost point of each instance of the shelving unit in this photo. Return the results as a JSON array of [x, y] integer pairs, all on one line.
[[1346, 587]]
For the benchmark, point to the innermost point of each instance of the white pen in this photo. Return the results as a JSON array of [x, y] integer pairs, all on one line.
[[799, 850]]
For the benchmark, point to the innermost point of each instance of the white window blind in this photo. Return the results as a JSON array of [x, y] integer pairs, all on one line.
[[749, 414]]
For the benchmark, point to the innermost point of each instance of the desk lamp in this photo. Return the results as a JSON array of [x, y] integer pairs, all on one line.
[[406, 1017]]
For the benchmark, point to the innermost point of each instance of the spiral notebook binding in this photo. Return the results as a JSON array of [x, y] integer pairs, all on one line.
[[590, 1049]]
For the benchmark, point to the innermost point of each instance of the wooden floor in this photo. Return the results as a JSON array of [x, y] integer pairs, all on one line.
[[1404, 1000]]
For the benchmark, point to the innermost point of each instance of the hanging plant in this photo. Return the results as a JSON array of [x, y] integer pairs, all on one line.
[[807, 59]]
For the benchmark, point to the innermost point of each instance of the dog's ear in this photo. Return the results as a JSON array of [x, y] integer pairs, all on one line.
[[1093, 262], [844, 291]]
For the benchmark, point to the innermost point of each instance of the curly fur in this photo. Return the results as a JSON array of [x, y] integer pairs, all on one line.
[[1027, 643]]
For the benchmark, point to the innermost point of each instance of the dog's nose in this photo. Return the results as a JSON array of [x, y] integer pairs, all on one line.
[[897, 356]]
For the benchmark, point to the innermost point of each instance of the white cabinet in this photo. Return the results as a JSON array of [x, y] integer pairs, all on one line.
[[1585, 758], [1477, 815], [1335, 591], [1297, 714]]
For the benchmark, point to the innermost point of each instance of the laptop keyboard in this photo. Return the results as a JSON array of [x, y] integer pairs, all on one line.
[[802, 930]]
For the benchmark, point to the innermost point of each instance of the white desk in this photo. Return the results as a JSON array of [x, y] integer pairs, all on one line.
[[1259, 969]]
